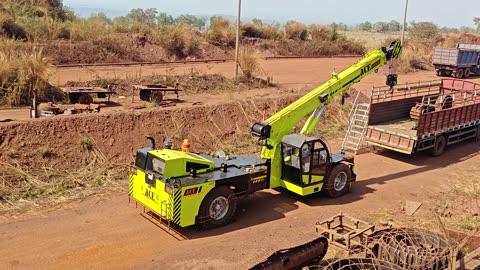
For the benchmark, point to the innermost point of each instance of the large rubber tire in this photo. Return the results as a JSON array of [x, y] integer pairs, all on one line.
[[439, 146], [145, 95], [217, 208], [338, 181], [85, 99], [466, 73], [459, 73]]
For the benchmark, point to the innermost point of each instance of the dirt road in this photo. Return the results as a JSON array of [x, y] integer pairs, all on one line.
[[104, 232]]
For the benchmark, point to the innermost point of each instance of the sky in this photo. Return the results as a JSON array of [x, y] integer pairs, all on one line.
[[441, 12]]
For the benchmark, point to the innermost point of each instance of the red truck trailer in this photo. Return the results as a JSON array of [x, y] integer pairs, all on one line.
[[424, 115]]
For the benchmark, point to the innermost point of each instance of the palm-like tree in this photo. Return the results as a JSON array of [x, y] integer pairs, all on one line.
[[476, 21]]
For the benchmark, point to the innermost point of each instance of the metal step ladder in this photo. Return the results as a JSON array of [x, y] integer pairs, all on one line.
[[358, 125]]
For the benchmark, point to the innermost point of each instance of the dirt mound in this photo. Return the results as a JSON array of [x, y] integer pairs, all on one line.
[[469, 38], [120, 47], [119, 134]]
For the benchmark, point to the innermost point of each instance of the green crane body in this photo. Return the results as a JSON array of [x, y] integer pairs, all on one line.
[[186, 189]]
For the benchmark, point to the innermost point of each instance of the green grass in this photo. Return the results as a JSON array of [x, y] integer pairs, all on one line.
[[45, 151]]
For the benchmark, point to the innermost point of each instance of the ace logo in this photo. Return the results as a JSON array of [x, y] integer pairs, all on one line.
[[192, 191]]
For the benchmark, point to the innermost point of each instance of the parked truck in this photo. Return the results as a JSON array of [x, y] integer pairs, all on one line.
[[424, 115], [459, 62]]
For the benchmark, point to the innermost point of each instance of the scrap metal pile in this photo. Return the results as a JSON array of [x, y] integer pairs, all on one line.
[[368, 249]]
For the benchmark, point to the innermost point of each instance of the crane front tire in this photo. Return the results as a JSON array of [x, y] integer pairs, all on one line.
[[338, 182]]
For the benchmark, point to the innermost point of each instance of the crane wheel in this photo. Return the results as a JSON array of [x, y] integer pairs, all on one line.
[[217, 208], [338, 181], [439, 146]]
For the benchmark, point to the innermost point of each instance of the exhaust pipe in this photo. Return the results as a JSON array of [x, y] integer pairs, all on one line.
[[152, 141]]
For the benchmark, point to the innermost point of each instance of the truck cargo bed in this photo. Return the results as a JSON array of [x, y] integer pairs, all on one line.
[[410, 118], [398, 135]]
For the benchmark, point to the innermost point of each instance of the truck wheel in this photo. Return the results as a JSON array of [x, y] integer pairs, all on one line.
[[466, 73], [477, 138], [217, 208], [439, 146], [459, 73], [440, 73], [85, 99], [337, 183]]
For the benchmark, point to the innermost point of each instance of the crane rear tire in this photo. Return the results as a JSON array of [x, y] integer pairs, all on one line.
[[338, 182], [217, 208]]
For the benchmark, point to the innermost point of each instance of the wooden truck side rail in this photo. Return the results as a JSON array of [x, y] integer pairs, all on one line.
[[465, 110]]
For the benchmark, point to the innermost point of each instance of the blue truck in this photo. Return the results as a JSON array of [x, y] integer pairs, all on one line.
[[459, 62]]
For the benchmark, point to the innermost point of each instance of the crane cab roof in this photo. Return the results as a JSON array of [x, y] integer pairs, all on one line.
[[297, 140]]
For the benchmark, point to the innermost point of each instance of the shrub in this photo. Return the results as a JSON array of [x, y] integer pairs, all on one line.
[[323, 33], [11, 153], [86, 144], [41, 28], [249, 62], [263, 31], [22, 71], [221, 33], [88, 29], [425, 33], [179, 40], [296, 30], [45, 152], [10, 29]]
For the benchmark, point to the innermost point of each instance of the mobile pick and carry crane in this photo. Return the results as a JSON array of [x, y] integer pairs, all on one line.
[[187, 188]]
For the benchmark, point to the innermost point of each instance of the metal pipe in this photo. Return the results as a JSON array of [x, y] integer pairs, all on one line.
[[237, 41], [404, 22]]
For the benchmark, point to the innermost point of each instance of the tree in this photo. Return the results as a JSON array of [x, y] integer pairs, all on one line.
[[339, 26], [193, 21], [164, 19], [476, 21], [393, 26], [56, 9], [257, 21], [425, 32], [380, 27], [102, 18], [365, 26], [141, 16]]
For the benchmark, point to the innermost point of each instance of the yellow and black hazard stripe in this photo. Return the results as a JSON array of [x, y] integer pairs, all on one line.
[[131, 185], [177, 205]]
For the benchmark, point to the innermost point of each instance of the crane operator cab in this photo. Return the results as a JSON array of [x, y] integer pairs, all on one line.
[[307, 161]]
